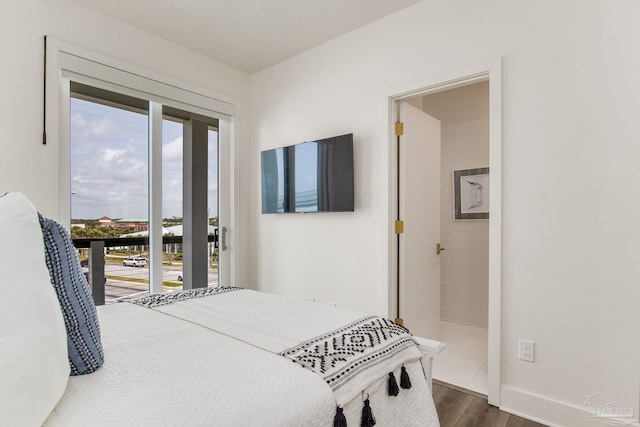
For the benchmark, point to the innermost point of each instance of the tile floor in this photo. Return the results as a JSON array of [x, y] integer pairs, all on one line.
[[463, 362]]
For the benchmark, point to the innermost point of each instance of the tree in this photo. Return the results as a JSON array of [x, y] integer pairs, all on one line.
[[99, 232]]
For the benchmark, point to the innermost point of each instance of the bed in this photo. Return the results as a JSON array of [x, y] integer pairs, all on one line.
[[208, 357]]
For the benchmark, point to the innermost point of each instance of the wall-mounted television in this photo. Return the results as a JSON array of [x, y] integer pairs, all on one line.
[[314, 176]]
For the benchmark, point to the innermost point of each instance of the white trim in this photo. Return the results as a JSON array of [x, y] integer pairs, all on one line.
[[495, 230], [228, 261], [156, 87], [121, 81], [64, 105], [556, 413], [491, 71], [155, 197], [479, 320]]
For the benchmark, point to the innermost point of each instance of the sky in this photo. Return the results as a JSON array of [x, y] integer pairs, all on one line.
[[109, 164]]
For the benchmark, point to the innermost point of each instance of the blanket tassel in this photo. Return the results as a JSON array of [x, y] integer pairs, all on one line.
[[392, 385], [368, 420], [405, 381], [339, 420]]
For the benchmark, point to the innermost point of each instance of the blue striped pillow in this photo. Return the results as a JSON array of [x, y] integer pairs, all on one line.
[[74, 295]]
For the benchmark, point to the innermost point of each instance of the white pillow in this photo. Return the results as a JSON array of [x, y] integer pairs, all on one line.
[[34, 364]]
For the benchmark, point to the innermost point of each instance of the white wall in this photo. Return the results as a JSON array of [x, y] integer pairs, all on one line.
[[570, 155], [464, 115], [28, 166], [570, 151]]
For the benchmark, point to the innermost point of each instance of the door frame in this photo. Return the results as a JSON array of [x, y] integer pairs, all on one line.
[[486, 71]]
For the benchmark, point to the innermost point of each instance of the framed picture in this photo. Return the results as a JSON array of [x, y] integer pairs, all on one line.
[[471, 194]]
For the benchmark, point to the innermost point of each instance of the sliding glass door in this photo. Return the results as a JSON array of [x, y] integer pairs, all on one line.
[[121, 162]]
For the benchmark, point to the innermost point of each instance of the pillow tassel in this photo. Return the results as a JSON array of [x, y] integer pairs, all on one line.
[[405, 381], [339, 420], [368, 420], [392, 385]]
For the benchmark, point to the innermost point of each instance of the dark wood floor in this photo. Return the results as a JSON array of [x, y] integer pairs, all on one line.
[[460, 408]]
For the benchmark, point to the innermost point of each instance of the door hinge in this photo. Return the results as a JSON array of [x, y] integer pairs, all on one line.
[[399, 227], [399, 128]]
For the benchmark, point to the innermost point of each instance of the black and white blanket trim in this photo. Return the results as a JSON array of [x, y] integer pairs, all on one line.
[[341, 354], [157, 300], [336, 356]]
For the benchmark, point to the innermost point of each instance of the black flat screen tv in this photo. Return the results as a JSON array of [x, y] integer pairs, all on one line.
[[314, 176]]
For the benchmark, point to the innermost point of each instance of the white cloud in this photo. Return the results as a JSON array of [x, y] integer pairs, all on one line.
[[172, 151], [78, 121], [87, 129], [109, 158], [110, 154]]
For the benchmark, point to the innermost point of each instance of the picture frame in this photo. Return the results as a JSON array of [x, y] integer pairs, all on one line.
[[471, 194]]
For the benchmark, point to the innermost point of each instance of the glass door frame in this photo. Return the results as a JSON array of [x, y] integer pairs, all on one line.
[[66, 63]]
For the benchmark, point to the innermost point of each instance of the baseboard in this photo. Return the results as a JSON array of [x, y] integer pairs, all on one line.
[[544, 410], [466, 317], [460, 389]]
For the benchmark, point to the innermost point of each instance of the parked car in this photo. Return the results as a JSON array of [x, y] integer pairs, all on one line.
[[135, 262]]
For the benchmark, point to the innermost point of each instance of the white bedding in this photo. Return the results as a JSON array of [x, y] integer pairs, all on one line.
[[267, 321], [164, 371], [277, 323]]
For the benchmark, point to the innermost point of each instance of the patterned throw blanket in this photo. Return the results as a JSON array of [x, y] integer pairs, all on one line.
[[349, 358], [364, 346]]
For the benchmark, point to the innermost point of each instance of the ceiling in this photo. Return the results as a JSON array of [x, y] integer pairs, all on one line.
[[248, 34]]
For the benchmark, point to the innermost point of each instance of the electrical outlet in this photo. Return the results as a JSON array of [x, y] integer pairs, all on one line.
[[526, 350]]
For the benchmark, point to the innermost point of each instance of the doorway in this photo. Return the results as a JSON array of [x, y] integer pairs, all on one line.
[[464, 266], [488, 75]]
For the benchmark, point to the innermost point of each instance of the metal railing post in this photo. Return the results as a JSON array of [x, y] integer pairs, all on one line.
[[96, 271], [96, 246]]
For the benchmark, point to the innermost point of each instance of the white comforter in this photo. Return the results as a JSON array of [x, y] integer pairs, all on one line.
[[164, 371]]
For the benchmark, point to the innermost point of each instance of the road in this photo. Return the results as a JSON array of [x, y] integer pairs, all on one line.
[[119, 290], [169, 274]]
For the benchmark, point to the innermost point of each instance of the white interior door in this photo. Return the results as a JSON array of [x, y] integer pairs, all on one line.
[[419, 208]]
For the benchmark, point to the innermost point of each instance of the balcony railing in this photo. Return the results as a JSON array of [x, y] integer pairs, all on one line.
[[96, 264]]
